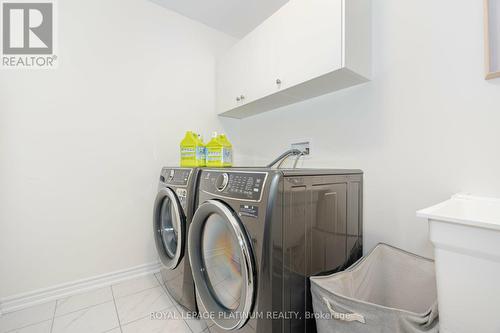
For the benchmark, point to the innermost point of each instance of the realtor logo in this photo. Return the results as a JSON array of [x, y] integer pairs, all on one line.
[[28, 34]]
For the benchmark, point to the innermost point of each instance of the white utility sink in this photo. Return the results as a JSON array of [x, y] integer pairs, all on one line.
[[465, 232]]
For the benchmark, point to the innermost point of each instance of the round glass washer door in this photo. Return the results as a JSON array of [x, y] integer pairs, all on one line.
[[169, 228], [222, 262]]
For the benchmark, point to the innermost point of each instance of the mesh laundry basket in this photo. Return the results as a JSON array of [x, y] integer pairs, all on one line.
[[388, 291]]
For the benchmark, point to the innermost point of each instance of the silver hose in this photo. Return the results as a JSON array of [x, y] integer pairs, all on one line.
[[282, 161], [297, 159], [283, 157]]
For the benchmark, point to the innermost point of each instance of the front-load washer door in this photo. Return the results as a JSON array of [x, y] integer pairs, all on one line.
[[169, 226], [223, 265]]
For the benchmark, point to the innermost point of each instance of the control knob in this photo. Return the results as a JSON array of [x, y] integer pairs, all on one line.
[[221, 182]]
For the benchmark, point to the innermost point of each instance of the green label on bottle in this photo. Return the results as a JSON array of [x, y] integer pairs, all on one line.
[[187, 152], [214, 155]]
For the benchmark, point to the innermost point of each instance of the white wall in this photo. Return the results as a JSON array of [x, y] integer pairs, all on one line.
[[427, 126], [81, 147]]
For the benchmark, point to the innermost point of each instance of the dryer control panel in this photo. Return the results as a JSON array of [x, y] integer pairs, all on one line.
[[239, 185], [176, 177]]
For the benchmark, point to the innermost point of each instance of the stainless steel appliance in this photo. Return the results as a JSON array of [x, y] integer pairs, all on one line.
[[258, 234], [173, 211]]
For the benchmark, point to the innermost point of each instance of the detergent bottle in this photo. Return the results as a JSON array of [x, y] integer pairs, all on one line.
[[188, 150], [227, 151], [214, 152], [201, 152]]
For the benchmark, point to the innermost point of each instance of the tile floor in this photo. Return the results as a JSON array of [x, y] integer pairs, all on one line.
[[122, 308]]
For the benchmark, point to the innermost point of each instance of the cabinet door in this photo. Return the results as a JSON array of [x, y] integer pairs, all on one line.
[[242, 72], [257, 48], [264, 53], [309, 40], [232, 77]]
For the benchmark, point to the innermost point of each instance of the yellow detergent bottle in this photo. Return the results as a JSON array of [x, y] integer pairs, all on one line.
[[227, 151], [214, 152], [188, 150], [201, 152]]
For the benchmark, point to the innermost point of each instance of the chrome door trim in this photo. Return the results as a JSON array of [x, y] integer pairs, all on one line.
[[249, 268], [170, 263], [197, 266]]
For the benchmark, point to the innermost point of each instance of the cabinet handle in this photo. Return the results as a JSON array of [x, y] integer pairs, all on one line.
[[278, 81]]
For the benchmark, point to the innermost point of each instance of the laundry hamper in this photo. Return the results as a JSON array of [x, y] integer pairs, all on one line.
[[388, 291]]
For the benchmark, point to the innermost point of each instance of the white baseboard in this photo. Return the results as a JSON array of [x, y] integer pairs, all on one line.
[[21, 301]]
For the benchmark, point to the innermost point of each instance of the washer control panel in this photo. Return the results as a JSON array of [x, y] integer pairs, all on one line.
[[177, 177], [234, 184]]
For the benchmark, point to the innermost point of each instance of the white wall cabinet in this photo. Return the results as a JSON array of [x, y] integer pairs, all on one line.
[[306, 49]]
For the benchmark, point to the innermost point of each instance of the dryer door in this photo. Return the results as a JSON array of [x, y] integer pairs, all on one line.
[[223, 264], [169, 225]]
